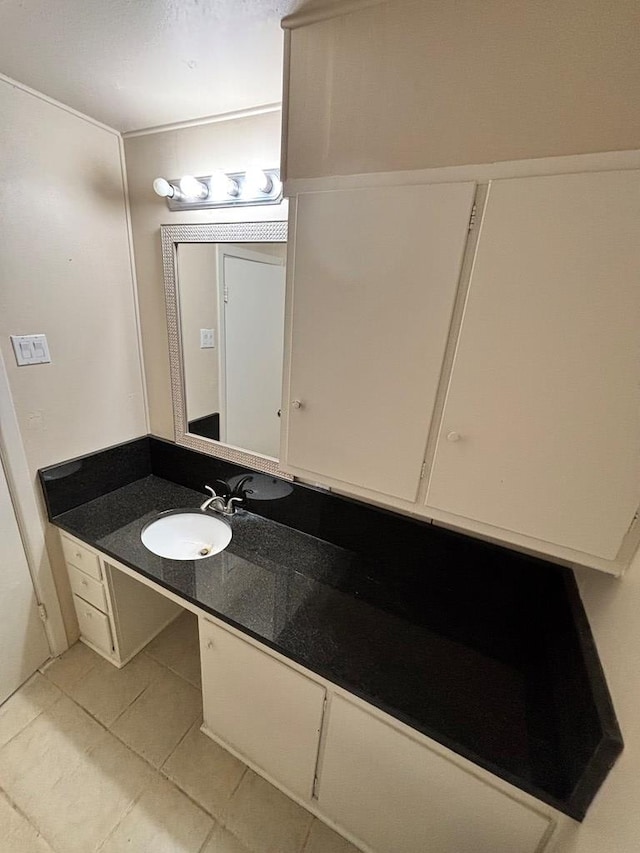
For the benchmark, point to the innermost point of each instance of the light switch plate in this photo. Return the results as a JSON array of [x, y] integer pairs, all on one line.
[[207, 339], [30, 349]]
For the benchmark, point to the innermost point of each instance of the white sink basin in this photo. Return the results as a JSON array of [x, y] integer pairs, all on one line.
[[188, 535]]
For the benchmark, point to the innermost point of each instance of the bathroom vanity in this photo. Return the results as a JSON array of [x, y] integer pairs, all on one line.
[[414, 688]]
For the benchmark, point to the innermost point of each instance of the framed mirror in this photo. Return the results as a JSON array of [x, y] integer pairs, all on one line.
[[225, 291]]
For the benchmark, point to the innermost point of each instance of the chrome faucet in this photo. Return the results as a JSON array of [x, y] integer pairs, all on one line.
[[218, 503]]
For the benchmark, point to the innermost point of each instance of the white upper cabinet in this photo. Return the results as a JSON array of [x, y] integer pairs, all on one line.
[[540, 433], [373, 275]]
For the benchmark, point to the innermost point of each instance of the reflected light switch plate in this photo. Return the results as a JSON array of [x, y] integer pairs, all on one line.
[[30, 349], [207, 339]]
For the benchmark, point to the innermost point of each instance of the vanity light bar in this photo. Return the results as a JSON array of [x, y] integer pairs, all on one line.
[[221, 189]]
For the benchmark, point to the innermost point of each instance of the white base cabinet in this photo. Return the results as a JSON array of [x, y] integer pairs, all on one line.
[[397, 796], [117, 615], [264, 710], [383, 786], [353, 766]]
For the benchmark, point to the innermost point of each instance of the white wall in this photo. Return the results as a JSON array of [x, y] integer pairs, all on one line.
[[65, 270], [197, 150]]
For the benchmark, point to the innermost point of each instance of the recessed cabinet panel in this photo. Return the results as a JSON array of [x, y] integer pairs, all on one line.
[[262, 708], [373, 283], [541, 426], [396, 795]]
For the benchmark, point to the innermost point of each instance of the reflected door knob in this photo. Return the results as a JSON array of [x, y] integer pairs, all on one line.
[[297, 404], [453, 436]]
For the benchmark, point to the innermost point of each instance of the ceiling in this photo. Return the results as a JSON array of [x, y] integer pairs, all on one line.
[[134, 64]]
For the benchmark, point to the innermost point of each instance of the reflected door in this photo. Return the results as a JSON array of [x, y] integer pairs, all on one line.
[[251, 363], [22, 637]]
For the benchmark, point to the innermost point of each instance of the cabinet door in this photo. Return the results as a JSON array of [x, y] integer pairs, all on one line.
[[395, 795], [263, 709], [541, 426], [373, 279]]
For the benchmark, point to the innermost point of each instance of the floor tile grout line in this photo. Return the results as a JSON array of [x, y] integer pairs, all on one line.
[[124, 814], [203, 847], [29, 821], [32, 720], [242, 775], [16, 808], [218, 820], [90, 749], [130, 705], [189, 797], [157, 771], [53, 661], [308, 835], [170, 669], [177, 746]]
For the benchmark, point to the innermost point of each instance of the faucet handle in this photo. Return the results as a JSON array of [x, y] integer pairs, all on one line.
[[230, 507], [226, 488], [239, 489], [212, 492]]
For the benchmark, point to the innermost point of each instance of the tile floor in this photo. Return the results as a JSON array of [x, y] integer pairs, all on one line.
[[98, 759]]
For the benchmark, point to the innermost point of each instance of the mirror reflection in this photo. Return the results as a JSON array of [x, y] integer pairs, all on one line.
[[231, 317]]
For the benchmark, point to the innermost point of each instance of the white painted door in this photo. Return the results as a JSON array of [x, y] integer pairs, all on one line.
[[253, 303], [261, 708], [541, 428], [23, 642], [394, 794], [373, 283]]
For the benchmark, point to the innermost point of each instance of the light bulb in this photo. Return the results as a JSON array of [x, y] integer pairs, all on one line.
[[222, 185], [276, 187], [256, 181], [192, 188], [163, 188]]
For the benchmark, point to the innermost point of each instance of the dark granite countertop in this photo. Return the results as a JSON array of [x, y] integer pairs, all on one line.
[[487, 652]]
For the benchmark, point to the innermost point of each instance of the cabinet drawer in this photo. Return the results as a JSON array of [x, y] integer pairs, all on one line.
[[94, 625], [87, 588], [81, 557]]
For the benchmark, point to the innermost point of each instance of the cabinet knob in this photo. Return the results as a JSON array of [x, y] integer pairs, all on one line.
[[297, 404], [78, 555], [209, 644], [84, 582], [453, 436]]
